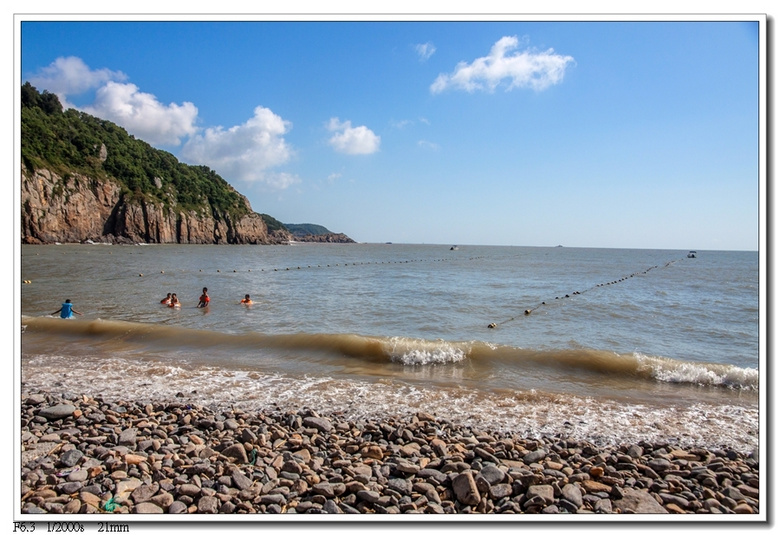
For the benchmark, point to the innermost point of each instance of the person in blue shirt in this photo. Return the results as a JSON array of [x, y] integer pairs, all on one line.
[[66, 311]]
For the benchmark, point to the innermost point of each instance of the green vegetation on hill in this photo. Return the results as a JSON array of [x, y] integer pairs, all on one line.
[[273, 224], [71, 142], [306, 229]]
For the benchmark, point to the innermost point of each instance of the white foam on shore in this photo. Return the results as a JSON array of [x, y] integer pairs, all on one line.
[[530, 414], [412, 352], [673, 371]]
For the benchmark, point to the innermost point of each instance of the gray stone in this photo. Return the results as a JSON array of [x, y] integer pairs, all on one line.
[[432, 474], [639, 502], [324, 489], [71, 457], [177, 508], [660, 465], [188, 489], [240, 480], [603, 505], [163, 500], [535, 456], [545, 492], [248, 436], [573, 494], [57, 412], [147, 508], [268, 499], [369, 496], [502, 490], [332, 508], [635, 452], [208, 505], [402, 486], [144, 493], [127, 436], [492, 474], [320, 424], [69, 487]]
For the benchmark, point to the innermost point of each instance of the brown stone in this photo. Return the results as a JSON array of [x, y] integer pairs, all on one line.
[[466, 488], [594, 486], [132, 458]]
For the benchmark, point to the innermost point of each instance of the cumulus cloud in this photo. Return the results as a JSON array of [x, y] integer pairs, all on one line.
[[139, 113], [247, 152], [352, 140], [425, 50], [68, 76], [143, 115], [526, 69]]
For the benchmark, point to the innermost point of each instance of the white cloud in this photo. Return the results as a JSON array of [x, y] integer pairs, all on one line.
[[429, 145], [67, 76], [403, 123], [425, 50], [352, 140], [143, 115], [246, 152], [526, 69]]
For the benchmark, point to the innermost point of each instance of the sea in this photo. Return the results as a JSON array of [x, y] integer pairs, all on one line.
[[612, 346]]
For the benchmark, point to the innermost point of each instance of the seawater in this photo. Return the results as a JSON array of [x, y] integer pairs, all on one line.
[[608, 345]]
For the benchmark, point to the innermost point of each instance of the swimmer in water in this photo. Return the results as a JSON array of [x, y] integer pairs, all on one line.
[[166, 300], [204, 299], [66, 311], [174, 301], [246, 300]]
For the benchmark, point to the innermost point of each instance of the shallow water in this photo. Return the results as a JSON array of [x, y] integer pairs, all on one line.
[[618, 345]]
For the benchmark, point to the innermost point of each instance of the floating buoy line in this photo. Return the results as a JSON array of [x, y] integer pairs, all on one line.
[[529, 311], [344, 264]]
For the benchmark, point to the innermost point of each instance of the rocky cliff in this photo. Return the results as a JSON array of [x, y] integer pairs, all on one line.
[[330, 237], [78, 208], [86, 179]]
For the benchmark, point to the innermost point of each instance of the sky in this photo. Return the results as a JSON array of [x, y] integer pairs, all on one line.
[[627, 134]]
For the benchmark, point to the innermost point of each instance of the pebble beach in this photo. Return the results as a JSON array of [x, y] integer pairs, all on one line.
[[88, 455]]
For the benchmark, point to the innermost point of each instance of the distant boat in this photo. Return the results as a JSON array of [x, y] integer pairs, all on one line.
[[692, 254], [454, 248]]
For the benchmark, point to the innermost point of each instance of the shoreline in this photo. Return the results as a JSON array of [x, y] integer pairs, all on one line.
[[85, 455]]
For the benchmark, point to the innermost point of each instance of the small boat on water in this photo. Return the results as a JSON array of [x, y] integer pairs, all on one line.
[[692, 254], [454, 248]]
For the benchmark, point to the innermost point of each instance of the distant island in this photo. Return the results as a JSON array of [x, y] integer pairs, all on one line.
[[84, 179]]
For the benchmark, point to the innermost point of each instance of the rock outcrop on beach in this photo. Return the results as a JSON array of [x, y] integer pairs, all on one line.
[[81, 208], [86, 455]]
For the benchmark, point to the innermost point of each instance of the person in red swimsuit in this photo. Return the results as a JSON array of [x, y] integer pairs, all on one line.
[[204, 300]]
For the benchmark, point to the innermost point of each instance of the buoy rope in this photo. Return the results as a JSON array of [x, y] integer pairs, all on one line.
[[530, 310], [348, 264]]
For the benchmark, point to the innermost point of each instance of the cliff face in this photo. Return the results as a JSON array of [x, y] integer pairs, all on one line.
[[324, 238], [80, 208]]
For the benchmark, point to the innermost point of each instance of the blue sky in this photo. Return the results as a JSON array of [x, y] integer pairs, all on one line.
[[593, 134]]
